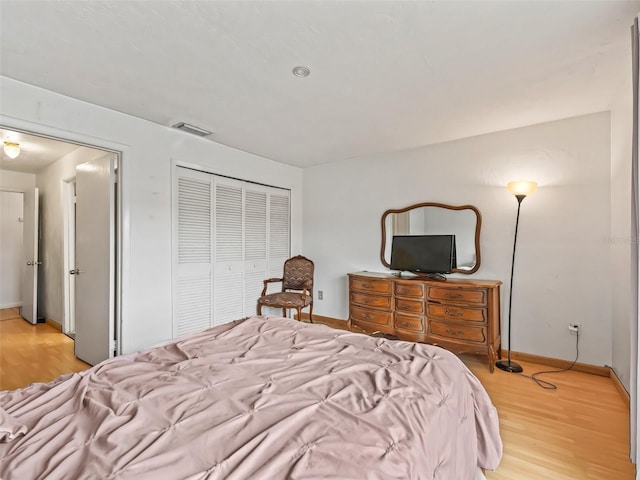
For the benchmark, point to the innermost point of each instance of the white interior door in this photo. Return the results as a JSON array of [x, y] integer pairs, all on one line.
[[192, 281], [69, 326], [11, 248], [95, 260], [29, 290], [228, 267]]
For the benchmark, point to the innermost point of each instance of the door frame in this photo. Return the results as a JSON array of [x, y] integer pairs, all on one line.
[[122, 213]]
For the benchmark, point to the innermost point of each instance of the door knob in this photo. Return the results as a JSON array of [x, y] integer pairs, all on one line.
[[75, 271], [29, 263], [37, 263]]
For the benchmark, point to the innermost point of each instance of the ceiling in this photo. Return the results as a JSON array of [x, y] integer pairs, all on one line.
[[36, 152], [385, 75]]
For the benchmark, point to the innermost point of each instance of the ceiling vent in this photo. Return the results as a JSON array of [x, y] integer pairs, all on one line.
[[185, 127]]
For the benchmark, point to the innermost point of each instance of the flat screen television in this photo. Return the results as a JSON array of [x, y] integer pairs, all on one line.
[[428, 254]]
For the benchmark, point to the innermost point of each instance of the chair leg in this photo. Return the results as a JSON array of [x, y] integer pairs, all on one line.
[[299, 314], [259, 309], [284, 312], [311, 312]]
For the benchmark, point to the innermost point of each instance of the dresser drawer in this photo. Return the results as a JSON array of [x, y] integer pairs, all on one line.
[[410, 290], [373, 286], [371, 316], [411, 323], [461, 333], [457, 313], [375, 301], [476, 297], [411, 306]]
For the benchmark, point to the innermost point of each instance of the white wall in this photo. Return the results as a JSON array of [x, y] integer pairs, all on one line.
[[16, 181], [148, 150], [621, 240], [563, 270], [11, 207], [50, 182]]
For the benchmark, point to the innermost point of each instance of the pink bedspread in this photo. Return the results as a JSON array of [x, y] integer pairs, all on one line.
[[264, 398]]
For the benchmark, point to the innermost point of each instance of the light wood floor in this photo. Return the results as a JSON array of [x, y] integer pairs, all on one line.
[[579, 431], [32, 353]]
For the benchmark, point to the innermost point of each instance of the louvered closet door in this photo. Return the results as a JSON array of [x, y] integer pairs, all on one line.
[[255, 245], [279, 231], [193, 262], [230, 236], [228, 251]]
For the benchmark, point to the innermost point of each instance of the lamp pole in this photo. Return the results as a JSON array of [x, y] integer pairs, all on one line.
[[508, 365], [520, 189]]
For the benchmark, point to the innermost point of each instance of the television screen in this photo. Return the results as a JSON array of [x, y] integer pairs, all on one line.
[[423, 253]]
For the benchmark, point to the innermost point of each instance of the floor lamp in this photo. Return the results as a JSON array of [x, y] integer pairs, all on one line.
[[519, 188]]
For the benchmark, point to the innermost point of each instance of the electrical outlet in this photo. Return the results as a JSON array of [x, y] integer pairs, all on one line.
[[320, 294], [575, 328]]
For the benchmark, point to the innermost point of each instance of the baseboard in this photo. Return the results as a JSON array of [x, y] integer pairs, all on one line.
[[332, 322], [558, 363], [10, 305], [620, 387], [53, 323]]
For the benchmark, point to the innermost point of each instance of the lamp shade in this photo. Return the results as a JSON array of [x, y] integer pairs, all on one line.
[[522, 187], [11, 149]]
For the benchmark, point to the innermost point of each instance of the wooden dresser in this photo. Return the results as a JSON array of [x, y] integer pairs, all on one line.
[[457, 314]]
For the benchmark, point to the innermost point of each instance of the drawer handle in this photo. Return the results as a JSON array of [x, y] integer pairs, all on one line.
[[368, 301], [453, 313], [406, 324], [367, 285], [453, 295], [404, 290], [368, 316], [454, 332]]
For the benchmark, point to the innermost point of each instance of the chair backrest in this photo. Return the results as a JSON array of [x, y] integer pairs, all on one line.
[[297, 270]]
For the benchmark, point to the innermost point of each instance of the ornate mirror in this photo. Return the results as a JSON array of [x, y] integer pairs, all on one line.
[[436, 219]]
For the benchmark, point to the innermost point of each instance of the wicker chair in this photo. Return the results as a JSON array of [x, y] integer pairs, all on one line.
[[297, 288]]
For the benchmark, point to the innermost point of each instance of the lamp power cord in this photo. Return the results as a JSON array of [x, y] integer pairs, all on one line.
[[546, 384]]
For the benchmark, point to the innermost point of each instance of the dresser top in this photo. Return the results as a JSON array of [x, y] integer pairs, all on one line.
[[449, 281]]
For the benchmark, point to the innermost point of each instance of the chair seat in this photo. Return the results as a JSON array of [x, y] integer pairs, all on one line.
[[285, 299]]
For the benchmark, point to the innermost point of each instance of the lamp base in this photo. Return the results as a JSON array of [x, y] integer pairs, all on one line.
[[509, 366]]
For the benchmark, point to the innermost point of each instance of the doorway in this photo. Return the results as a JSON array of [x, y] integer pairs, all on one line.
[[51, 165]]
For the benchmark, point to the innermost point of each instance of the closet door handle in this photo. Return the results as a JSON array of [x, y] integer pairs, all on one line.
[[75, 271]]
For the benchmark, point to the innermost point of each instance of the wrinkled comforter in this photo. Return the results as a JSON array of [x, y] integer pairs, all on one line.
[[262, 398]]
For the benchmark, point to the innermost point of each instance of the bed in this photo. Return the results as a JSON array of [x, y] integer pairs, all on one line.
[[260, 398]]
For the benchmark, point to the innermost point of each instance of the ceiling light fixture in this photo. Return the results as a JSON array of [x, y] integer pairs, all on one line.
[[201, 132], [12, 149], [301, 71]]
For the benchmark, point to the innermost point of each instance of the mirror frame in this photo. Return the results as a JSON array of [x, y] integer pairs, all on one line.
[[441, 205]]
